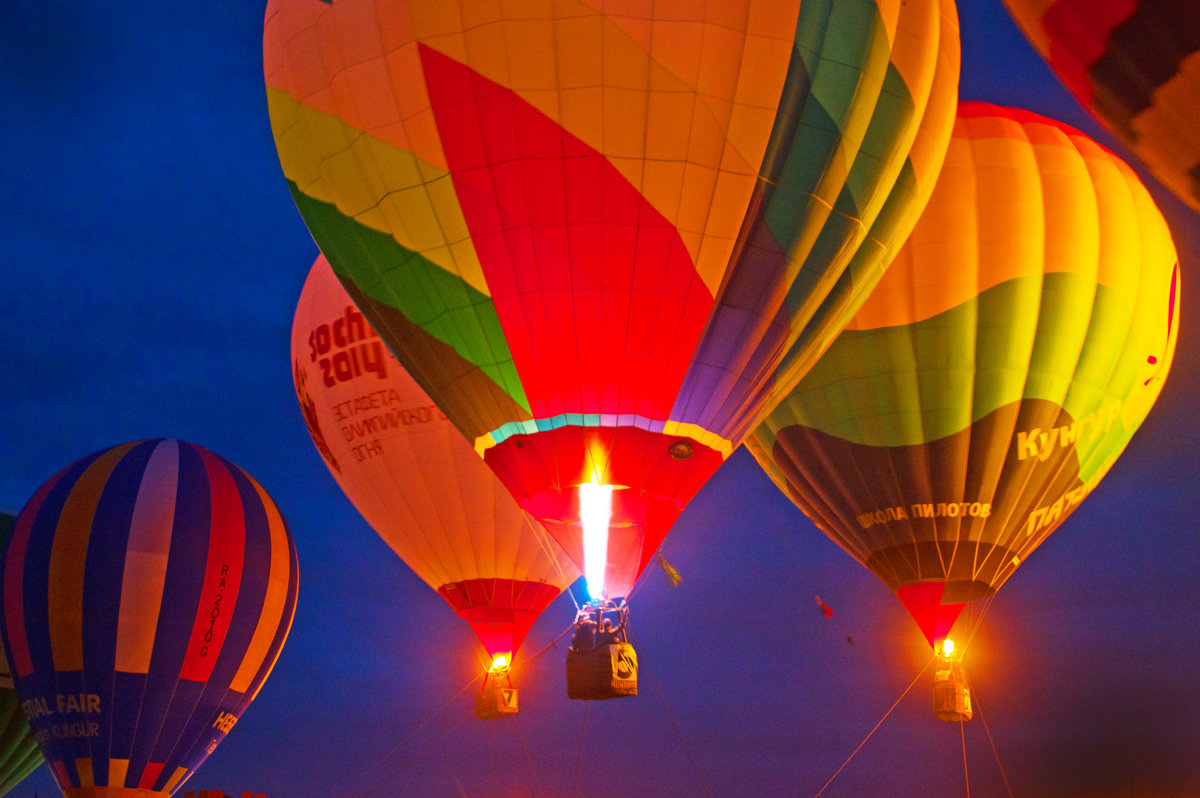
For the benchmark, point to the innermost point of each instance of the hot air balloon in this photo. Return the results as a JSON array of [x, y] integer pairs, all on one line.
[[419, 484], [19, 754], [1000, 367], [592, 234], [1135, 65], [148, 589]]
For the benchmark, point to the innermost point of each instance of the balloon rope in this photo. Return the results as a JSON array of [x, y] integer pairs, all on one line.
[[587, 707], [687, 751], [378, 784], [537, 784], [962, 733], [877, 725], [978, 620], [553, 553], [995, 753]]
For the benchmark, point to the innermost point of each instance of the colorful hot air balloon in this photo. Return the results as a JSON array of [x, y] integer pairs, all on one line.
[[1135, 64], [413, 476], [592, 233], [19, 754], [1001, 366], [148, 589]]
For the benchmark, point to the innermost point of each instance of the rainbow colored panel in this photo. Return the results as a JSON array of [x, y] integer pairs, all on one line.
[[568, 220], [148, 590]]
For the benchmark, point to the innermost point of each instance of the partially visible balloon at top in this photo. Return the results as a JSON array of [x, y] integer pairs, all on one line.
[[1135, 64], [605, 239]]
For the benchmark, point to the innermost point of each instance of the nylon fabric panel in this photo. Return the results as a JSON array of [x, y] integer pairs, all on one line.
[[222, 575], [146, 561], [67, 560], [16, 642], [278, 605]]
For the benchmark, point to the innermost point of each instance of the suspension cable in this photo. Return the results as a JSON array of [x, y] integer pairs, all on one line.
[[687, 751], [962, 733], [413, 733], [877, 725], [995, 753], [587, 707], [537, 784]]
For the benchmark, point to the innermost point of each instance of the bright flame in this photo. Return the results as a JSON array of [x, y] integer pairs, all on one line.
[[595, 512], [500, 663], [947, 647]]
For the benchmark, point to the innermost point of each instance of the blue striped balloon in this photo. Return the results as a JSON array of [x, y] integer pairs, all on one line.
[[148, 589]]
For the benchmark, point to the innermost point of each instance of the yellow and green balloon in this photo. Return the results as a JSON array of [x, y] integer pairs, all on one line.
[[1001, 366]]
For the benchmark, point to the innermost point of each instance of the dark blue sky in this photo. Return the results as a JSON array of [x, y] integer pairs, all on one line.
[[153, 258]]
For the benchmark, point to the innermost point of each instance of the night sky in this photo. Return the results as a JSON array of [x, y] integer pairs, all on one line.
[[153, 259]]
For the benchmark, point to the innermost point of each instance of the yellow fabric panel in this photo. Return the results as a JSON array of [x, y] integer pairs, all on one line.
[[68, 554], [911, 27], [944, 227], [709, 439], [1121, 239], [176, 777], [935, 96], [386, 189], [146, 561], [117, 768], [84, 768], [271, 618], [1070, 210]]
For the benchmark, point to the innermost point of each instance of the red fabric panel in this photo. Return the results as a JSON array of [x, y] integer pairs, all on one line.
[[149, 775], [1079, 32], [501, 611], [222, 573], [543, 472], [600, 303], [924, 604]]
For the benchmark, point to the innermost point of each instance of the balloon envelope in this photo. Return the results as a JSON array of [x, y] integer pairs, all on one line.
[[1135, 64], [413, 476], [594, 235], [1000, 367], [19, 754], [148, 589]]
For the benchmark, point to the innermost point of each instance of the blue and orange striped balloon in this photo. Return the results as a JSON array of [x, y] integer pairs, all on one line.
[[148, 589]]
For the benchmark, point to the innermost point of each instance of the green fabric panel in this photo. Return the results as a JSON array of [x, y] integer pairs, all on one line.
[[893, 116], [859, 41], [439, 302], [901, 386], [19, 754], [862, 273]]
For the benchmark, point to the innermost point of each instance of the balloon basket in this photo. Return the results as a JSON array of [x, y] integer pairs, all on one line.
[[951, 694], [496, 701], [601, 663]]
